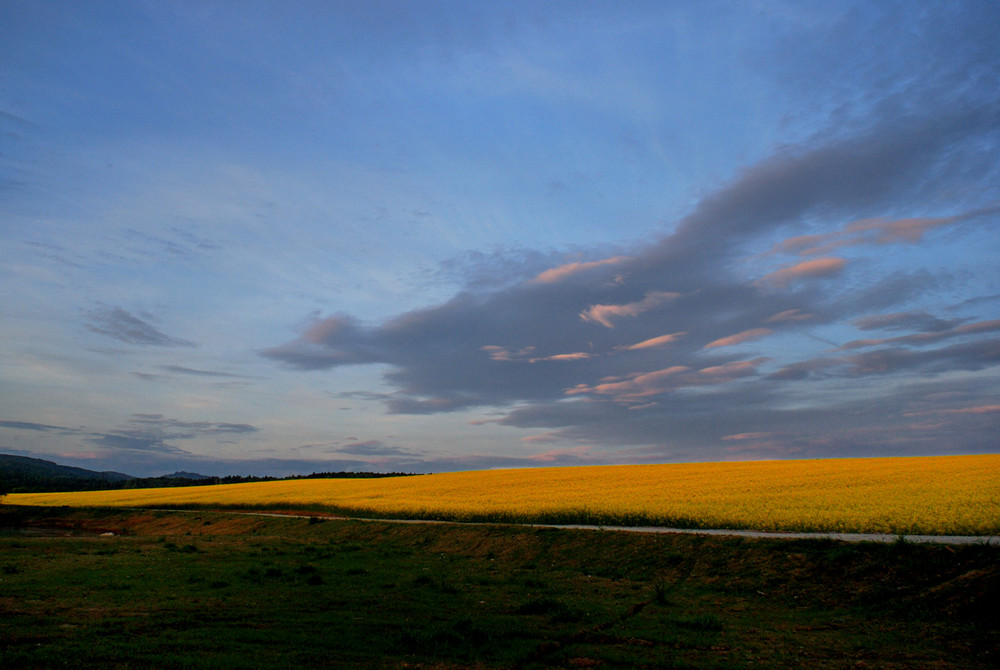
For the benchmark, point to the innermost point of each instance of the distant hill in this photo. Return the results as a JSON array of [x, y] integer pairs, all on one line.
[[17, 469], [20, 474]]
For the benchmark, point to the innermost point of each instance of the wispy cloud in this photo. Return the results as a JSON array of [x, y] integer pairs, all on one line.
[[606, 315], [123, 326], [154, 433], [565, 271], [184, 370], [868, 231], [911, 320], [142, 432], [40, 427], [655, 342], [925, 338], [739, 338], [821, 267], [370, 448]]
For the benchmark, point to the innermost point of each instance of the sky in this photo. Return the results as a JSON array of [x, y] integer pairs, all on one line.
[[277, 238]]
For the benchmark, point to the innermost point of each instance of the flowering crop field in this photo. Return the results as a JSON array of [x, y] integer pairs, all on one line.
[[957, 495]]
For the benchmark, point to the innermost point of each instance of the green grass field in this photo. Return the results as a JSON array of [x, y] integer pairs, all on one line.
[[217, 590]]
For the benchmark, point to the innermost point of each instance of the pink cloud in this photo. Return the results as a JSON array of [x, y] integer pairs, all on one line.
[[498, 353], [748, 436], [654, 342], [640, 386], [576, 356], [559, 454], [603, 314], [789, 315], [637, 385], [863, 231], [925, 338], [739, 338], [718, 374], [328, 329], [821, 267], [800, 243], [902, 230], [564, 271]]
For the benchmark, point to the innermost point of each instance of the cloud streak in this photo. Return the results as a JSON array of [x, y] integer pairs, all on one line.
[[606, 315], [117, 323], [819, 268], [142, 433]]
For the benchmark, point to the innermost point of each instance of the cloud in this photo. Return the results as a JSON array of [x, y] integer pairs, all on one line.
[[498, 353], [805, 369], [789, 315], [636, 385], [924, 338], [911, 320], [968, 356], [575, 356], [979, 409], [638, 348], [749, 436], [867, 231], [142, 433], [565, 271], [119, 324], [603, 314], [641, 386], [821, 267], [41, 427], [326, 343], [151, 432], [370, 448], [655, 342], [739, 338], [134, 441], [180, 369]]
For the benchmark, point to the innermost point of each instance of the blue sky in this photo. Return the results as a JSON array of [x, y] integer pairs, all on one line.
[[277, 238]]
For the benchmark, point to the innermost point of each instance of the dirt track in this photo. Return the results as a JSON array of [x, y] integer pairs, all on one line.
[[845, 537]]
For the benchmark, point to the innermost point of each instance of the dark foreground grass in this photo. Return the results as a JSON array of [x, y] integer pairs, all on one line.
[[216, 590]]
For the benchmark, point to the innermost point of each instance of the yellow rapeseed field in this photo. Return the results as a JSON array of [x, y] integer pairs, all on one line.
[[925, 495]]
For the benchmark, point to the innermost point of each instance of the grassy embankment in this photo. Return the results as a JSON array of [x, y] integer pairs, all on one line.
[[957, 495], [210, 590]]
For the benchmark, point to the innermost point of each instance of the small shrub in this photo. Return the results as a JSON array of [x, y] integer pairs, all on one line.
[[660, 592]]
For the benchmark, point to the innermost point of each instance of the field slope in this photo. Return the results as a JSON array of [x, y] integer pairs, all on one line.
[[956, 495], [205, 590]]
